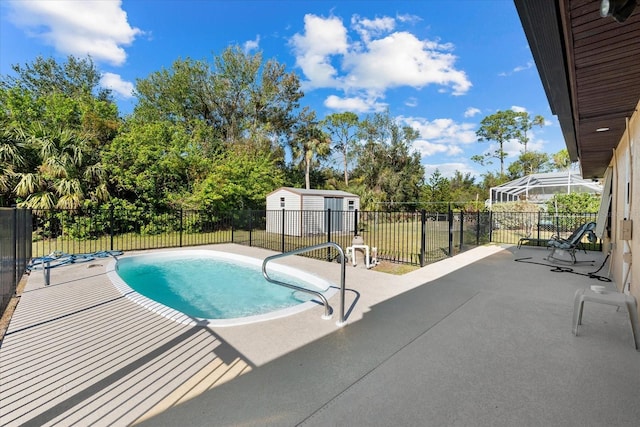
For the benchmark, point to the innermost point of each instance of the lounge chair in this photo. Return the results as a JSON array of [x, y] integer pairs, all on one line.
[[572, 243]]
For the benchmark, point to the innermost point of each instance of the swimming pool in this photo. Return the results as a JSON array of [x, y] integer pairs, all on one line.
[[211, 287]]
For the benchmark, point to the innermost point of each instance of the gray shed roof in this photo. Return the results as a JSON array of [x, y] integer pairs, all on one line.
[[323, 193]]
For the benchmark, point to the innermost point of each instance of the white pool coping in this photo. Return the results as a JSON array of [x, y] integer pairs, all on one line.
[[178, 316]]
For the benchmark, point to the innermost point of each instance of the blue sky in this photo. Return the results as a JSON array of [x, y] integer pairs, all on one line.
[[438, 66]]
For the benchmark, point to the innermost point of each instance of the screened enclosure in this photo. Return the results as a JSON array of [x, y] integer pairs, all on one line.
[[540, 187]]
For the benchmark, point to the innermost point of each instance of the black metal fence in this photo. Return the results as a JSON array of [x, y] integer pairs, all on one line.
[[15, 250], [416, 238], [538, 227]]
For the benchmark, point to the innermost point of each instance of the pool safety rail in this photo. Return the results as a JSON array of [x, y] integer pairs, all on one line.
[[57, 259], [327, 307]]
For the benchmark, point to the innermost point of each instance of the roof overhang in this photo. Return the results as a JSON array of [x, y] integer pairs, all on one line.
[[590, 72]]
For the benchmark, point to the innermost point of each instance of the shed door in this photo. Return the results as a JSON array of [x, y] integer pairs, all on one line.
[[335, 204]]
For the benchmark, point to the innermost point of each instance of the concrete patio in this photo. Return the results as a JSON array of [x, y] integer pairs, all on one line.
[[477, 339]]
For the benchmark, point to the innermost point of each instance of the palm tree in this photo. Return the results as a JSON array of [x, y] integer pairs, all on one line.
[[67, 173], [12, 144], [309, 144]]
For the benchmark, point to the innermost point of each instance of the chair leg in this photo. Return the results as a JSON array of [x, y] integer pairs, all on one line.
[[578, 306]]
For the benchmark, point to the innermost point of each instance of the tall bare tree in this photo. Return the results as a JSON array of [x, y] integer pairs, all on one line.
[[343, 128]]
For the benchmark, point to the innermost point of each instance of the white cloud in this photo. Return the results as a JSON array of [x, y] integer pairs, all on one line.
[[471, 112], [411, 102], [426, 148], [80, 28], [448, 170], [440, 136], [442, 131], [250, 45], [401, 59], [354, 104], [408, 18], [116, 84], [519, 109], [322, 38], [368, 28], [376, 58], [517, 69]]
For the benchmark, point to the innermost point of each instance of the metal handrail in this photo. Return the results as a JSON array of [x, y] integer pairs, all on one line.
[[327, 312]]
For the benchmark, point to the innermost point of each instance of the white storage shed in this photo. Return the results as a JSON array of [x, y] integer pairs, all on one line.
[[304, 212]]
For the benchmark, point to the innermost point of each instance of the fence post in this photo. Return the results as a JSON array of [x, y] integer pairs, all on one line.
[[328, 234], [423, 237], [14, 239], [232, 225], [111, 228], [250, 213], [490, 226], [461, 229], [450, 231], [180, 229], [355, 222], [282, 238], [478, 229]]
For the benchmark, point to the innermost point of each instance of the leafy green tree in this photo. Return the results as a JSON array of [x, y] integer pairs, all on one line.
[[465, 193], [529, 163], [386, 163], [154, 164], [75, 78], [343, 128], [499, 127], [490, 180], [561, 161], [239, 96], [574, 203], [240, 179], [437, 192]]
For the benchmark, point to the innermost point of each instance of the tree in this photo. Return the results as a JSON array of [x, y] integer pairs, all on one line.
[[155, 164], [67, 174], [574, 203], [526, 124], [386, 163], [239, 179], [343, 127], [61, 119], [561, 161], [75, 78], [239, 96], [465, 193], [309, 143], [437, 192], [529, 163], [499, 127], [12, 159]]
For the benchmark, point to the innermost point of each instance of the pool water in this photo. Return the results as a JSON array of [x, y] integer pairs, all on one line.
[[201, 285]]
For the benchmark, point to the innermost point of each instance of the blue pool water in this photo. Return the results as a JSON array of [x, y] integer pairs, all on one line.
[[204, 285]]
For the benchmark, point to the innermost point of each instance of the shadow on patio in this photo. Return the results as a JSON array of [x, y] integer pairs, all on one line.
[[487, 344], [484, 343], [78, 352]]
